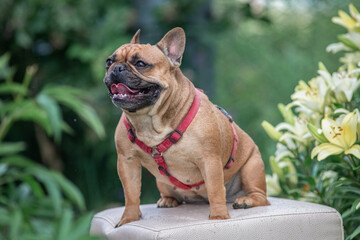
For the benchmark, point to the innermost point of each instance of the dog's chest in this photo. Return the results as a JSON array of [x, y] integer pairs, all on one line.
[[180, 164]]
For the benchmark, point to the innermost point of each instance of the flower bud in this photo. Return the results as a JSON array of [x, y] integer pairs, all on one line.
[[286, 113], [318, 136], [277, 169], [322, 67], [291, 171], [271, 131]]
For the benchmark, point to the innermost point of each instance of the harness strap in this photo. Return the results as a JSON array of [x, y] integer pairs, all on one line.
[[174, 137], [230, 162]]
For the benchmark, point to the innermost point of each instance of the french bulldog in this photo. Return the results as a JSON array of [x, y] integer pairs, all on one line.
[[191, 146]]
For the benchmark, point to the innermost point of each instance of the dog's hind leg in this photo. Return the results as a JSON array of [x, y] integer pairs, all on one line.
[[169, 198], [253, 183]]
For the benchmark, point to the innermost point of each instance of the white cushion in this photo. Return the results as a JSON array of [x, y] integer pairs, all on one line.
[[283, 219]]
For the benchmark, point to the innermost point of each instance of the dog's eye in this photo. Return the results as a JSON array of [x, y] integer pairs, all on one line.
[[140, 64], [108, 63]]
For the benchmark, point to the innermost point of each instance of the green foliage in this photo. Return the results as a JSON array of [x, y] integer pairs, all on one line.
[[37, 203], [258, 63], [44, 109], [68, 42], [317, 156]]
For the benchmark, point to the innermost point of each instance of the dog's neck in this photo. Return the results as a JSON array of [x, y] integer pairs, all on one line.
[[155, 124]]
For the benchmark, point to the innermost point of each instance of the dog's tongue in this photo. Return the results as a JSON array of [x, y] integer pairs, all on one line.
[[122, 89]]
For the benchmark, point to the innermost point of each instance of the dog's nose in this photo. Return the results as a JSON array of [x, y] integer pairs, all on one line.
[[119, 68]]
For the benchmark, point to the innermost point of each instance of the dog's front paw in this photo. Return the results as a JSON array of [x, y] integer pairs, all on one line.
[[126, 220], [219, 217], [250, 201], [167, 202], [219, 213], [128, 217]]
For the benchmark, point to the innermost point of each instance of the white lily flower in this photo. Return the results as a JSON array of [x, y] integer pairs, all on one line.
[[351, 60], [272, 185], [328, 176], [341, 137], [345, 111], [337, 47], [354, 12], [311, 98], [298, 132], [282, 151], [343, 85], [344, 20]]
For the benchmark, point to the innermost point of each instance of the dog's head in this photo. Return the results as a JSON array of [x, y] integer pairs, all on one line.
[[137, 75]]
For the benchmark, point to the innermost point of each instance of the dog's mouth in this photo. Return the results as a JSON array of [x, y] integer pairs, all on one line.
[[123, 92], [132, 99]]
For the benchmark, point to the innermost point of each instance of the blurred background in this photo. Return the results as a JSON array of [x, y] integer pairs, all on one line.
[[248, 56]]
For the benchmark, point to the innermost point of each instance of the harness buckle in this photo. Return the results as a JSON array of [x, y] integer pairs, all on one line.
[[155, 152], [173, 140]]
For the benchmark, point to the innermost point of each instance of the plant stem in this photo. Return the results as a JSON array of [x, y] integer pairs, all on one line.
[[4, 126], [355, 166], [307, 173], [352, 160]]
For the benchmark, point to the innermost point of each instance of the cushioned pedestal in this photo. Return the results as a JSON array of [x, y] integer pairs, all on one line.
[[283, 219]]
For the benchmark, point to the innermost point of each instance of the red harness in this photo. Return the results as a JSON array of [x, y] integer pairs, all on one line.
[[157, 151]]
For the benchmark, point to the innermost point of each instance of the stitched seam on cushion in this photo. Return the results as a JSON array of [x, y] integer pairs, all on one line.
[[342, 225], [106, 219], [229, 220]]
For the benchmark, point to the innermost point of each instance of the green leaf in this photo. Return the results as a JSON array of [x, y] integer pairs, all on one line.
[[354, 234], [346, 213], [356, 205], [311, 181], [34, 185], [56, 90], [32, 112], [18, 161], [64, 225], [15, 225], [53, 112], [4, 215], [13, 88], [3, 168], [347, 189], [12, 106], [86, 113], [6, 72], [81, 227], [70, 190], [11, 148], [70, 97], [26, 110], [4, 60], [66, 128], [29, 74], [352, 210], [51, 187]]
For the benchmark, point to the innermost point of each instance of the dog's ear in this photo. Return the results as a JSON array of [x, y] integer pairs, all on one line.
[[173, 45], [136, 38]]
